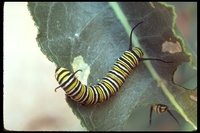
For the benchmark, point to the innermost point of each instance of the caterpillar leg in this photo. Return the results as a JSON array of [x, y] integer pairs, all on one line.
[[67, 98]]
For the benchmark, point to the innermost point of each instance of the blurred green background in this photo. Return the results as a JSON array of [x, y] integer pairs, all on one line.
[[29, 78]]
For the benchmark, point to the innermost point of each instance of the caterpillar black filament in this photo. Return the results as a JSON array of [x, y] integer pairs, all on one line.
[[109, 85]]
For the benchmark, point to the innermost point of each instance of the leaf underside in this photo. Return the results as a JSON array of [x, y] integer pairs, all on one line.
[[96, 33]]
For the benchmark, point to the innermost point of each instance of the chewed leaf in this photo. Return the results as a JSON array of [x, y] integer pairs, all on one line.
[[95, 35], [79, 64], [171, 47]]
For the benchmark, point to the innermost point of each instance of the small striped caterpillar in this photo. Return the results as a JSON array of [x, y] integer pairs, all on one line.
[[160, 108]]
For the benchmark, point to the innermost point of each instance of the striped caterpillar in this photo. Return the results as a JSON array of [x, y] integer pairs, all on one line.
[[160, 108], [109, 85]]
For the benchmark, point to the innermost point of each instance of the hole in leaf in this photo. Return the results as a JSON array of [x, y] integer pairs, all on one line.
[[171, 47], [79, 64], [194, 98], [185, 76]]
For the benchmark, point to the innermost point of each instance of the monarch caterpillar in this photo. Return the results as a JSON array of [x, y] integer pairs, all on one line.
[[160, 108], [109, 85]]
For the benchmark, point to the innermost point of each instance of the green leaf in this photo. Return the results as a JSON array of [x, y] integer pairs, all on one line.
[[91, 36]]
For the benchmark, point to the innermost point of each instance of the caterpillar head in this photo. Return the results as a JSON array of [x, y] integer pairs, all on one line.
[[137, 52]]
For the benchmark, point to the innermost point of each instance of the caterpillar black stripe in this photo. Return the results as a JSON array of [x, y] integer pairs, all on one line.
[[160, 108], [109, 85]]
